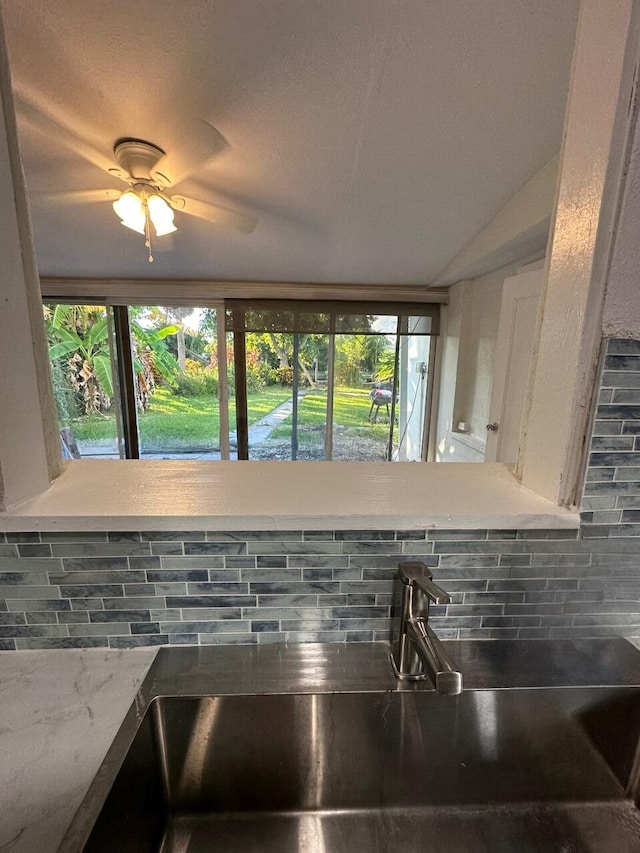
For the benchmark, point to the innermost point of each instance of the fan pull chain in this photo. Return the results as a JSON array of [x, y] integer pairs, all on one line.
[[147, 232]]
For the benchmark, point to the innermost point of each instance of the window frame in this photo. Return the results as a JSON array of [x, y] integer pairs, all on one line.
[[231, 318]]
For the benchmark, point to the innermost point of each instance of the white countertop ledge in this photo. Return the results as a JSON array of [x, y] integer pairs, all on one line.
[[98, 495], [59, 712]]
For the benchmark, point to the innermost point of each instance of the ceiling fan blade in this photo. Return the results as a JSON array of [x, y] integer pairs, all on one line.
[[42, 119], [214, 213], [202, 144], [65, 199]]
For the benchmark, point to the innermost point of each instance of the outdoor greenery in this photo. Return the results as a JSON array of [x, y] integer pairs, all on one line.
[[78, 337], [350, 409], [174, 421], [358, 354], [196, 380], [78, 341], [176, 374]]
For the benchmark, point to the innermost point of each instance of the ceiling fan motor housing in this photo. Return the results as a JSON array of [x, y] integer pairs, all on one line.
[[137, 157]]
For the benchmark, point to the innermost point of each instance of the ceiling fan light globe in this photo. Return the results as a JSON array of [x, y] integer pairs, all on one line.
[[161, 231], [161, 215], [130, 211], [138, 227], [129, 206]]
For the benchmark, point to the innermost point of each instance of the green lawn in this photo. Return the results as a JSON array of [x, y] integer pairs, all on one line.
[[350, 409], [192, 422], [173, 421]]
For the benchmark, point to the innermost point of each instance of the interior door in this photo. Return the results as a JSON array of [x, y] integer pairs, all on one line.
[[512, 361]]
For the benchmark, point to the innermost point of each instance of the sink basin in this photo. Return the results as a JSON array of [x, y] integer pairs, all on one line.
[[397, 771]]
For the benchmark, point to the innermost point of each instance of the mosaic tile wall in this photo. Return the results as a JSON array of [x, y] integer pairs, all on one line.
[[123, 589]]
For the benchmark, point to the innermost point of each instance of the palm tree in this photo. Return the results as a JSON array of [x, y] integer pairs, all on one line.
[[80, 334], [151, 359]]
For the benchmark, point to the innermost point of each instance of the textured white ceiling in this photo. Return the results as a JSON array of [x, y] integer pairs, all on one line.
[[373, 138]]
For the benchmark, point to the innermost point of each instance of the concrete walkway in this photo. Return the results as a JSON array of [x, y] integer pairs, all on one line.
[[262, 429]]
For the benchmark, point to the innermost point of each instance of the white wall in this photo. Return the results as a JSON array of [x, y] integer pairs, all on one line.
[[520, 229], [466, 378], [29, 440], [622, 307]]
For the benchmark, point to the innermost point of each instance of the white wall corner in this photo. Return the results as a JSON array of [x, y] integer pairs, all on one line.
[[591, 169], [29, 443], [518, 230]]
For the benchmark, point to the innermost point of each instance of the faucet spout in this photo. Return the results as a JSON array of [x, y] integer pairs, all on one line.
[[439, 665], [416, 651]]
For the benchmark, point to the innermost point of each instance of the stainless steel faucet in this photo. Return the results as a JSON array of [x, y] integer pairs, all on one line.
[[416, 652]]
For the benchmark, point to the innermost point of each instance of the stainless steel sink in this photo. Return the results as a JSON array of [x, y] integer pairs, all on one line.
[[526, 770]]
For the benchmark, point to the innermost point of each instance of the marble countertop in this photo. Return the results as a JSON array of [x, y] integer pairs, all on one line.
[[59, 712]]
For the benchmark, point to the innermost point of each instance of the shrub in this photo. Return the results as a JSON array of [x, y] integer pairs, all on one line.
[[260, 374], [347, 373], [253, 379], [198, 380], [285, 375], [268, 375], [64, 395]]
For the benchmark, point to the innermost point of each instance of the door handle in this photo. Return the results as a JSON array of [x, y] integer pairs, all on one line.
[[492, 427]]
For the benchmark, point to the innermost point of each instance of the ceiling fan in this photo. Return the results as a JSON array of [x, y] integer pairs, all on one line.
[[146, 206]]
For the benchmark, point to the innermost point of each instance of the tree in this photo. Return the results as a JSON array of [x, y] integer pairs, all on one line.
[[78, 338], [179, 315], [80, 333], [277, 348], [151, 360], [386, 365], [350, 355]]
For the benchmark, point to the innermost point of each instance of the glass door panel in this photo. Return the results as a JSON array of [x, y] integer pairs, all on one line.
[[362, 396], [286, 382], [176, 381], [304, 393], [83, 379]]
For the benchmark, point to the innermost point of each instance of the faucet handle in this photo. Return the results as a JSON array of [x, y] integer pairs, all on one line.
[[433, 591], [418, 574]]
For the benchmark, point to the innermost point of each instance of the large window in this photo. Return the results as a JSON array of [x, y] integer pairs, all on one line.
[[246, 380]]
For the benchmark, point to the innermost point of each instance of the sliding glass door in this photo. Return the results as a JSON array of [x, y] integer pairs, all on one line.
[[321, 383]]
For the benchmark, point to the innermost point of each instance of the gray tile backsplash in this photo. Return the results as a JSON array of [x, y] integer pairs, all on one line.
[[62, 590]]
